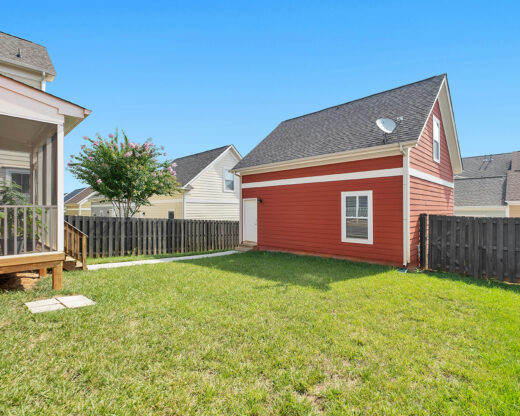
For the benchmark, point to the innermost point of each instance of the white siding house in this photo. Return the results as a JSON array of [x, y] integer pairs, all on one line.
[[209, 190]]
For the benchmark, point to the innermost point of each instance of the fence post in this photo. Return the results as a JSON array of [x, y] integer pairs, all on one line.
[[423, 221]]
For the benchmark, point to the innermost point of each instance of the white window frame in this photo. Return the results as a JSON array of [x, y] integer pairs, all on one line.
[[224, 180], [436, 138], [344, 238]]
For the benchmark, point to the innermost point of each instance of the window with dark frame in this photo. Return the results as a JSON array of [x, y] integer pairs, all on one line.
[[23, 180], [171, 215]]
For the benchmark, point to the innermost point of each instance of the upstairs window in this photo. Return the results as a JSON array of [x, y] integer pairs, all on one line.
[[229, 181], [356, 217], [436, 140]]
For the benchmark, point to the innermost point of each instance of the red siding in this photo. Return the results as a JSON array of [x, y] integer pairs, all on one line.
[[427, 197], [306, 218], [345, 167], [421, 157]]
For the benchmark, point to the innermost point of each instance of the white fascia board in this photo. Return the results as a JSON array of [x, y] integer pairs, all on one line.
[[370, 174], [62, 107], [451, 132], [392, 149]]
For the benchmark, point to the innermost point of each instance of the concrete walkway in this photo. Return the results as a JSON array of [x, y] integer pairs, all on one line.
[[155, 261]]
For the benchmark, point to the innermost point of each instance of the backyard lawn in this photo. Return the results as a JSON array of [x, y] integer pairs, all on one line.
[[263, 333]]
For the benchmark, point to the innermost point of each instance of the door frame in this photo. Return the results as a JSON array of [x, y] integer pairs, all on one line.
[[243, 218]]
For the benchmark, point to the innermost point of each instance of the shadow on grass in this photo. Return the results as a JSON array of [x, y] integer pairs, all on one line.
[[291, 269], [471, 280]]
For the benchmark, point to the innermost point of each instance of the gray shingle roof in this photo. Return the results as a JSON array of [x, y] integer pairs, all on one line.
[[348, 126], [488, 180], [190, 166], [485, 166], [31, 55], [78, 195], [480, 191]]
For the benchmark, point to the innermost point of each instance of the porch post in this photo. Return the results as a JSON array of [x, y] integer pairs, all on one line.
[[59, 187]]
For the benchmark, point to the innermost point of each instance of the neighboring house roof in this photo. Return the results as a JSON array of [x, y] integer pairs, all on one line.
[[25, 53], [488, 180], [349, 126], [78, 195], [189, 167], [480, 191]]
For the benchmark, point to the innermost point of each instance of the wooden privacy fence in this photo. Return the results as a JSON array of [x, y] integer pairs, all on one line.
[[108, 236], [482, 247]]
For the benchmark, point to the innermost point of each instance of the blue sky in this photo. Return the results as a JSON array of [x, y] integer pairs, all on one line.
[[198, 75]]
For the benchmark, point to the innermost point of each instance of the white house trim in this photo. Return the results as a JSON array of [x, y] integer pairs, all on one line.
[[430, 178], [450, 130], [406, 206], [370, 218], [373, 152], [369, 174]]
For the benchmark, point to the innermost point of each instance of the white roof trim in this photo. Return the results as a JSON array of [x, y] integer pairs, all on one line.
[[60, 107], [450, 130], [347, 156]]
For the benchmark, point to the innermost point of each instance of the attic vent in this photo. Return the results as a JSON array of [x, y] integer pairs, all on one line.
[[19, 53]]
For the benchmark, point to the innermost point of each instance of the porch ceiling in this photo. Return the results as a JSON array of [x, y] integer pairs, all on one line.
[[19, 134]]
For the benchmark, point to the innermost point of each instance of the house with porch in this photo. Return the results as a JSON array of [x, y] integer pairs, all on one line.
[[33, 125]]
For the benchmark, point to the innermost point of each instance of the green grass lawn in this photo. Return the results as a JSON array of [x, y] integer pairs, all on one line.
[[261, 334], [118, 259]]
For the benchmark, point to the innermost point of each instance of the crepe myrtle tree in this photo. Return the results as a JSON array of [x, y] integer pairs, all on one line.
[[126, 173]]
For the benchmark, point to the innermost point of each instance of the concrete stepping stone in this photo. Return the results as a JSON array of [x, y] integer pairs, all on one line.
[[75, 301], [61, 302], [45, 305]]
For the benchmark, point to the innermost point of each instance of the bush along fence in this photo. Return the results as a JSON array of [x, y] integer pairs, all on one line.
[[481, 247], [109, 236]]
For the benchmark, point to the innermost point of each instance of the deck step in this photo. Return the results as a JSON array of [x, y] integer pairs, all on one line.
[[246, 246], [71, 264]]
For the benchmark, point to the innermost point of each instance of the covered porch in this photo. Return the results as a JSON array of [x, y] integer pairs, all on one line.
[[33, 125]]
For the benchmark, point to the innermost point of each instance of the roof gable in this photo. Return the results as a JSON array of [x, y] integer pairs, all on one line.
[[191, 166], [78, 195], [350, 126], [21, 52]]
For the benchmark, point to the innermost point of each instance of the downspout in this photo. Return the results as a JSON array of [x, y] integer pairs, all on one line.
[[405, 151], [183, 205], [42, 82]]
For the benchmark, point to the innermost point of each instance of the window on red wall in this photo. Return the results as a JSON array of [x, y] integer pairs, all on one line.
[[436, 140], [356, 217]]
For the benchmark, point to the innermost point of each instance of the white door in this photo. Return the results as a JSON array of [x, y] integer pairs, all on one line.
[[249, 220]]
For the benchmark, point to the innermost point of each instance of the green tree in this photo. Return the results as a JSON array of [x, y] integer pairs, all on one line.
[[126, 173]]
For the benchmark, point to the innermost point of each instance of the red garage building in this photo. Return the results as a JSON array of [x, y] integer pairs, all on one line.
[[333, 183]]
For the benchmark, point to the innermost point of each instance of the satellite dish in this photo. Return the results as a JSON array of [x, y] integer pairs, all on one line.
[[385, 124]]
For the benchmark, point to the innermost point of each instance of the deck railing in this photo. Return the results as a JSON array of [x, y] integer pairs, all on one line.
[[75, 244], [27, 229]]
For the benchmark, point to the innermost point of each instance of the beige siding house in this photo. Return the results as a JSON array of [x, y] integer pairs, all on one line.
[[78, 201], [209, 190]]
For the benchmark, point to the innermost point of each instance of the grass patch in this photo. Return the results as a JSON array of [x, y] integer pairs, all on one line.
[[261, 334], [118, 259]]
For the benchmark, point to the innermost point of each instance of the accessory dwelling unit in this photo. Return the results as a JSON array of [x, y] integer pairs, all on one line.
[[333, 183]]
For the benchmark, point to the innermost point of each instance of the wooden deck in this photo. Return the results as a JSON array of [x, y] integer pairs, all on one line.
[[40, 262]]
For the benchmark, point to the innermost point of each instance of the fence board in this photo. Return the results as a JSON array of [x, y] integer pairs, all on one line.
[[109, 236], [482, 247]]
